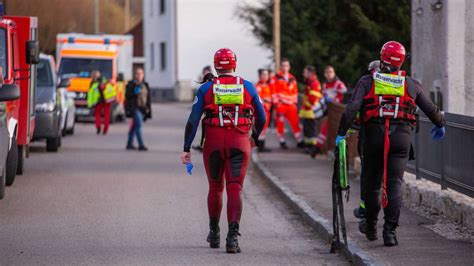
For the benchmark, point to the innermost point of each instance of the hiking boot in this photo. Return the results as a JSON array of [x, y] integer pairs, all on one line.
[[197, 147], [389, 235], [261, 146], [359, 212], [214, 236], [98, 131], [143, 148], [232, 240], [369, 229], [283, 146], [301, 145], [315, 151], [131, 147]]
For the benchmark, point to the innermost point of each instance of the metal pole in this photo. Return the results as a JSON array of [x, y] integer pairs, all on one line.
[[96, 17], [276, 33], [127, 16]]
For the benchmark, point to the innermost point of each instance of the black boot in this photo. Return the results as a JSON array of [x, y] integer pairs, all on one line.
[[368, 228], [301, 145], [232, 240], [389, 235], [214, 237], [359, 212], [283, 146], [315, 151], [261, 147]]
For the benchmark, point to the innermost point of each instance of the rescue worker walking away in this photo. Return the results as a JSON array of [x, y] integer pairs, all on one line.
[[265, 92], [100, 96], [312, 95], [286, 101], [138, 107], [387, 103], [230, 105]]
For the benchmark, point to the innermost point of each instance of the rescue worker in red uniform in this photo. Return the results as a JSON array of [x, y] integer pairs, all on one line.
[[285, 98], [333, 90], [230, 105], [387, 102], [265, 92], [311, 97]]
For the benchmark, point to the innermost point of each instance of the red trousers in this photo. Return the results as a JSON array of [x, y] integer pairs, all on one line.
[[226, 154], [290, 112], [98, 111]]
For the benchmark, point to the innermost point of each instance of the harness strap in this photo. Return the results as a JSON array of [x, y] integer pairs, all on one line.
[[386, 150]]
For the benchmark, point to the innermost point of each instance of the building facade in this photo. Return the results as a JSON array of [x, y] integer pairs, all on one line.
[[181, 36], [443, 52]]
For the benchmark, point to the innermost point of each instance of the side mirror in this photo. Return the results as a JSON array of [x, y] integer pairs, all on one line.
[[32, 52], [64, 83], [120, 77], [9, 92]]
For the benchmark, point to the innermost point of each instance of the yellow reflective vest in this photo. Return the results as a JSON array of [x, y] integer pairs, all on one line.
[[93, 96]]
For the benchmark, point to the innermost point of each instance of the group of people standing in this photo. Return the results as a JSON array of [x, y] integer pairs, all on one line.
[[279, 93], [102, 94]]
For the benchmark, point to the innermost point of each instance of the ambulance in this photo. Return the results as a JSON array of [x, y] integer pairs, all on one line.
[[19, 54], [79, 54]]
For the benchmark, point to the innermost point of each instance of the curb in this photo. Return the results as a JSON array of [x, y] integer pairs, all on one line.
[[322, 226]]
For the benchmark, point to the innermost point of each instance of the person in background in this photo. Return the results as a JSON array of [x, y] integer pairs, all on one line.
[[138, 107], [271, 82], [206, 76], [265, 92], [311, 97], [100, 96], [286, 101], [333, 90]]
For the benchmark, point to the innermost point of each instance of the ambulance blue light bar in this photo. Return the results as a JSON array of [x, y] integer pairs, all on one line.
[[107, 41], [71, 40]]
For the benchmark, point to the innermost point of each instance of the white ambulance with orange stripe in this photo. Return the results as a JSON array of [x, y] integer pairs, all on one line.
[[79, 54]]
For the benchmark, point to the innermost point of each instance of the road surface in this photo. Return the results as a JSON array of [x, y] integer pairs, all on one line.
[[96, 203]]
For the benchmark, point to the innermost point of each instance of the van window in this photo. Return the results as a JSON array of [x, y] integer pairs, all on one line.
[[83, 67], [3, 52], [44, 76]]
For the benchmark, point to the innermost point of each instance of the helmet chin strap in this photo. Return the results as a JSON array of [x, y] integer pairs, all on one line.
[[386, 68]]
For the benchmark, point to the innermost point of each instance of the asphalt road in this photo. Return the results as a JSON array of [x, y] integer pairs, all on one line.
[[95, 203]]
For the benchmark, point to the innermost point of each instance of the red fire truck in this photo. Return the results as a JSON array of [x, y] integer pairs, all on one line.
[[19, 54]]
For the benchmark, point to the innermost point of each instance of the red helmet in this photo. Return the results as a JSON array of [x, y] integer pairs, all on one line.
[[393, 53], [225, 59]]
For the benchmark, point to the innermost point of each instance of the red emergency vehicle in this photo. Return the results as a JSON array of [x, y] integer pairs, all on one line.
[[19, 54]]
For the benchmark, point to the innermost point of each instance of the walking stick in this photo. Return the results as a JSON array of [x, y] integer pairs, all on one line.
[[340, 186]]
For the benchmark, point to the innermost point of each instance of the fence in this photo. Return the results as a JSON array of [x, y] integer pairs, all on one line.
[[449, 162]]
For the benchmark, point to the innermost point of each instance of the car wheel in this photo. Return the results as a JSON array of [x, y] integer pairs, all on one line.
[[52, 144], [11, 167], [21, 160], [71, 130], [3, 182], [64, 131]]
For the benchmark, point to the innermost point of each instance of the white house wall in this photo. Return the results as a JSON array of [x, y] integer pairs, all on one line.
[[159, 28]]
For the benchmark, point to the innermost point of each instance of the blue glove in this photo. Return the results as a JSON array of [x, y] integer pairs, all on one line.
[[437, 133], [189, 168], [338, 139], [137, 89]]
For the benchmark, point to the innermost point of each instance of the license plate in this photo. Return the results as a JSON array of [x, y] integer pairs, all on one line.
[[82, 111]]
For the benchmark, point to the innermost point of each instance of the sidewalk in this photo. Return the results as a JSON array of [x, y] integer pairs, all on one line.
[[310, 180]]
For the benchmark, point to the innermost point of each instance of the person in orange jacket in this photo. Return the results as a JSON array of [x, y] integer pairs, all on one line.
[[312, 95], [285, 98], [265, 92]]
